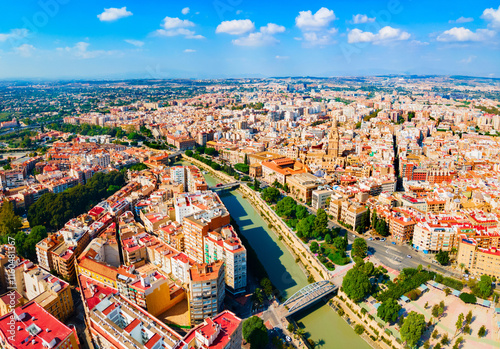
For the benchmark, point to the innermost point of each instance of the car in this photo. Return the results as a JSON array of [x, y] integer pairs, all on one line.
[[383, 239], [370, 239], [408, 256], [377, 239], [393, 243]]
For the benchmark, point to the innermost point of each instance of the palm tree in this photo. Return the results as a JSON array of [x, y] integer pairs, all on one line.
[[462, 266]]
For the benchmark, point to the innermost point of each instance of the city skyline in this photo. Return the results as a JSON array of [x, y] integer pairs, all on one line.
[[57, 39]]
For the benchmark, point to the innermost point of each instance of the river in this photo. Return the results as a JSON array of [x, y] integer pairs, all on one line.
[[324, 326]]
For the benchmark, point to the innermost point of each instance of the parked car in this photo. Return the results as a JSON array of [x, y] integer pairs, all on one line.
[[408, 256], [383, 239], [393, 243], [370, 239]]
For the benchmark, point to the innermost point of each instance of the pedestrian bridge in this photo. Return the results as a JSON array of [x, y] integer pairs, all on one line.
[[308, 296], [225, 187]]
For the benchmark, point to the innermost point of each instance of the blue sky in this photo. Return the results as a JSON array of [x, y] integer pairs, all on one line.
[[238, 38]]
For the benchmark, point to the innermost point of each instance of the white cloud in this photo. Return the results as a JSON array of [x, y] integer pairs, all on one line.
[[81, 50], [136, 43], [188, 50], [264, 37], [174, 26], [114, 14], [25, 50], [461, 20], [315, 27], [185, 10], [359, 18], [239, 12], [307, 21], [174, 23], [14, 34], [384, 35], [282, 57], [492, 16], [256, 39], [235, 27], [461, 34], [272, 28]]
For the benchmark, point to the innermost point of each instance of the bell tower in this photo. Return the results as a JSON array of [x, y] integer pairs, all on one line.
[[333, 142]]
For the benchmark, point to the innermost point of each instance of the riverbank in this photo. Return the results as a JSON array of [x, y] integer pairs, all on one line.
[[321, 323]]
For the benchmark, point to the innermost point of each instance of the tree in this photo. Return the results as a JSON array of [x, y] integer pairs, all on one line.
[[245, 161], [321, 223], [328, 238], [443, 257], [270, 195], [258, 296], [305, 227], [445, 340], [435, 334], [301, 212], [447, 291], [267, 286], [359, 248], [10, 223], [427, 344], [256, 185], [340, 243], [286, 207], [460, 322], [467, 298], [483, 287], [189, 153], [29, 245], [314, 247], [468, 318], [286, 188], [359, 329], [435, 310], [413, 327], [482, 331], [356, 284], [255, 332], [389, 310]]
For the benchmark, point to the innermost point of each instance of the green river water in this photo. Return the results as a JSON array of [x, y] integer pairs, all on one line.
[[323, 325]]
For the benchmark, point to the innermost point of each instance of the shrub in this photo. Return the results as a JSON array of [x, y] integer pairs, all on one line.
[[468, 298]]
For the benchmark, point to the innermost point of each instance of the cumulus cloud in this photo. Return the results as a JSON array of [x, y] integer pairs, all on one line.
[[264, 37], [272, 28], [113, 14], [461, 34], [81, 50], [136, 43], [188, 50], [493, 16], [14, 34], [316, 27], [384, 35], [185, 10], [173, 26], [359, 18], [235, 27], [307, 21], [25, 50], [461, 20]]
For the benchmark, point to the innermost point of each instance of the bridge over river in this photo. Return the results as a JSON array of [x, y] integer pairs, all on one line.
[[308, 295]]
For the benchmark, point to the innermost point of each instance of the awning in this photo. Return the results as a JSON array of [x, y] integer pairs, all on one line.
[[456, 293]]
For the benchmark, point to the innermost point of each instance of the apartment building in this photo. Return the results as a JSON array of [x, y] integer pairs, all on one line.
[[226, 246], [115, 322], [206, 290], [44, 249], [401, 228], [352, 213], [35, 328], [320, 198], [222, 331], [432, 237], [478, 260]]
